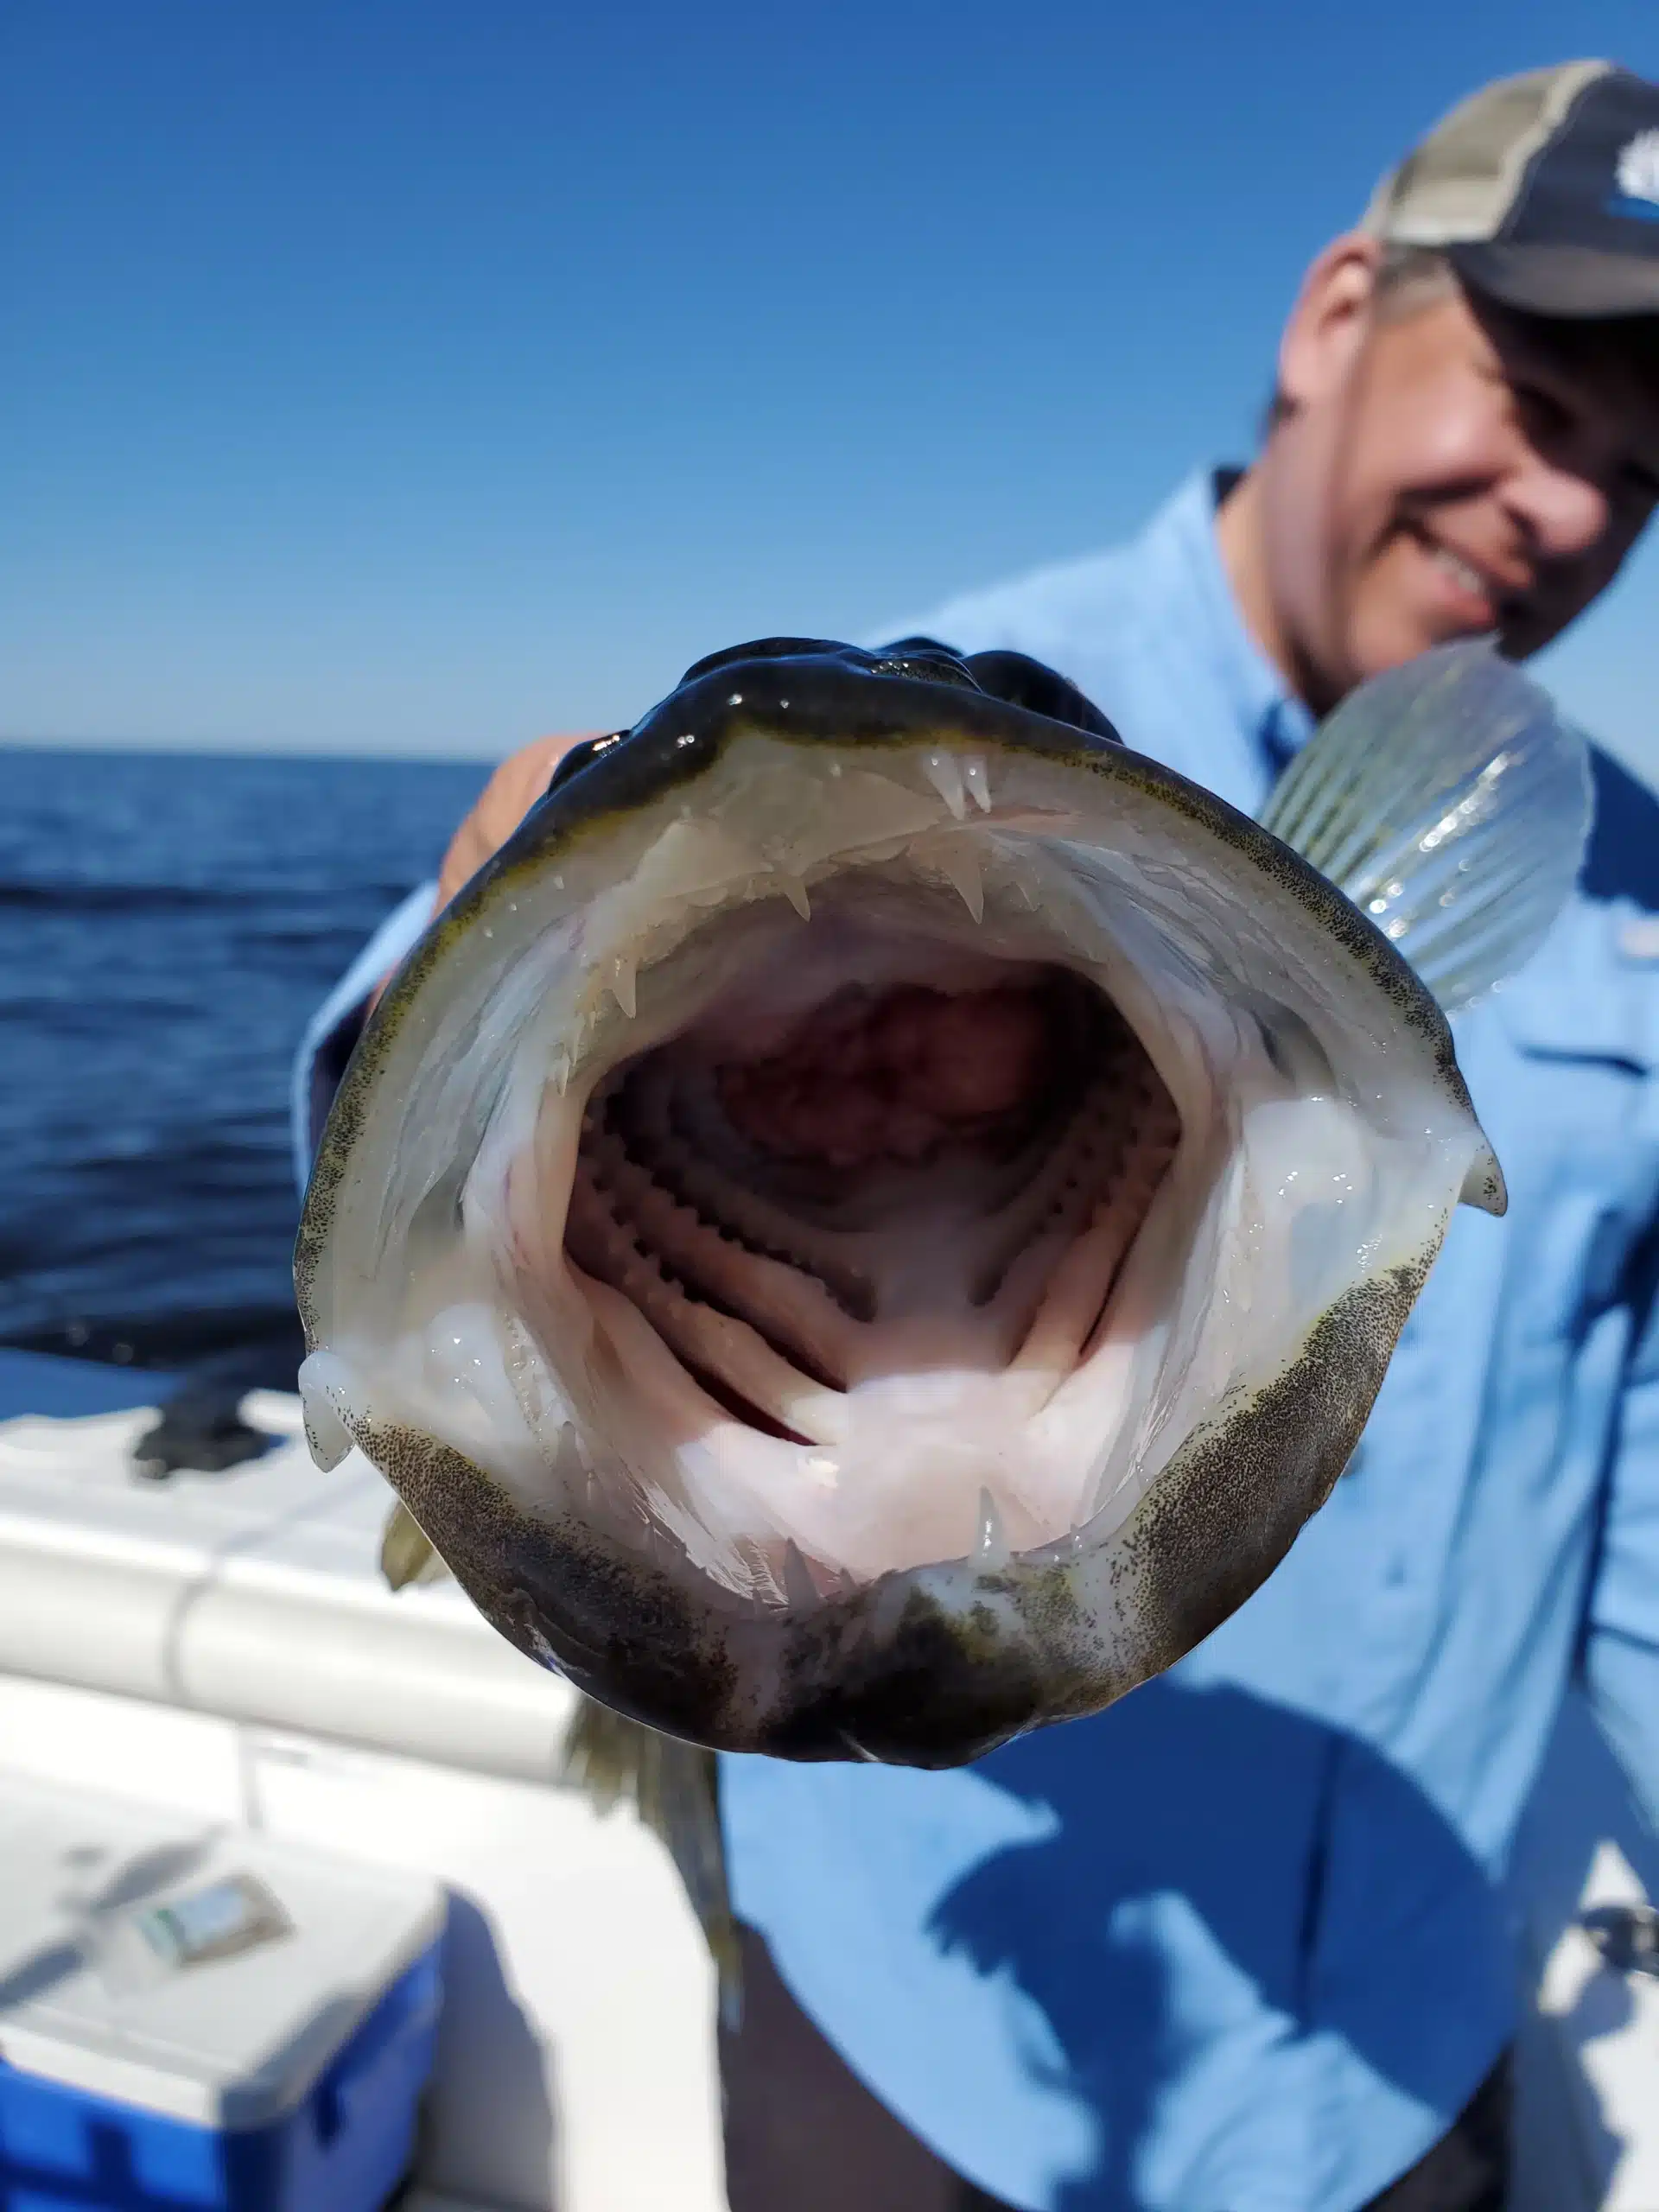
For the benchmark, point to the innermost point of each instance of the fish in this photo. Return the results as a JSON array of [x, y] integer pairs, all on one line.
[[871, 1225]]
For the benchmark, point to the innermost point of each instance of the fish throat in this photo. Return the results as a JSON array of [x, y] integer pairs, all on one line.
[[931, 1174]]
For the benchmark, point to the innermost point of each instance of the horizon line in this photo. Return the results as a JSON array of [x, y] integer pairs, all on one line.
[[256, 748]]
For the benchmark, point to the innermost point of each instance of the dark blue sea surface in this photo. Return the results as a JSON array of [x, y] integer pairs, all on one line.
[[168, 925]]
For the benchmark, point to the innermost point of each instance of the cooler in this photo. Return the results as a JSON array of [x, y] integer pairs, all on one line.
[[199, 2020]]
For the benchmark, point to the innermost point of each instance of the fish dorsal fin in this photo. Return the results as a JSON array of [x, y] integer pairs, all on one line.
[[1451, 802]]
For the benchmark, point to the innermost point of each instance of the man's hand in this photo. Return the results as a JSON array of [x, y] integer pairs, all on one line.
[[502, 805]]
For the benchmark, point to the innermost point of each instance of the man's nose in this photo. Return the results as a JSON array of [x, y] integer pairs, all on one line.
[[1564, 515]]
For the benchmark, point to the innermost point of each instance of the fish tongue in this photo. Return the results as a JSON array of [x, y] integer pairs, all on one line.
[[923, 1445]]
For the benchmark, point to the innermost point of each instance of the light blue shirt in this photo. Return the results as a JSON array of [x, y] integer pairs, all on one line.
[[1238, 1944]]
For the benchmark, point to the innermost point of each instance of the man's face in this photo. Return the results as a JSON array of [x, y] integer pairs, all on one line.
[[1445, 472]]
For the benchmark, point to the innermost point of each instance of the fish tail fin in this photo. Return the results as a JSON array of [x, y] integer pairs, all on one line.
[[1450, 801], [674, 1788]]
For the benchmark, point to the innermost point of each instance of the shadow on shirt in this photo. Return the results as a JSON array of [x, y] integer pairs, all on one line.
[[1265, 1881]]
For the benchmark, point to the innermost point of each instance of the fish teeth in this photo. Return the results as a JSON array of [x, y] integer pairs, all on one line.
[[799, 1586], [945, 774], [991, 1554], [959, 864], [794, 889], [977, 776], [624, 971], [1011, 880]]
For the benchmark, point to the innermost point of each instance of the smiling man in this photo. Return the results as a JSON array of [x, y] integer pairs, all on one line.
[[1235, 1945], [1443, 460]]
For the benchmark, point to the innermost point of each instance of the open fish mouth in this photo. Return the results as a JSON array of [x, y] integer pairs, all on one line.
[[871, 1201], [874, 1222]]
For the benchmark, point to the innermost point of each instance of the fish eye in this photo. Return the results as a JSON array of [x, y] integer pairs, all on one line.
[[583, 756], [924, 658], [1031, 684], [762, 648]]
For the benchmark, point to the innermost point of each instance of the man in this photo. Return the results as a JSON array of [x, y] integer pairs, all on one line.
[[1234, 1945]]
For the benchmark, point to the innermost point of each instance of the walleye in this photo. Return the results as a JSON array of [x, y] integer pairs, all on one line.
[[870, 1225]]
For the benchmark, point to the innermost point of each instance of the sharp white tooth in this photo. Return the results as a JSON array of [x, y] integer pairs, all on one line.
[[960, 863], [991, 1554], [622, 983], [794, 889], [977, 776], [942, 771], [542, 1410], [799, 1586], [561, 1072]]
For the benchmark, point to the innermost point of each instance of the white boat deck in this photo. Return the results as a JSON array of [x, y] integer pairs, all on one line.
[[225, 1645]]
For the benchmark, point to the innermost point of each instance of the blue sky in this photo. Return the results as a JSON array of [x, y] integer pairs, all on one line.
[[395, 377]]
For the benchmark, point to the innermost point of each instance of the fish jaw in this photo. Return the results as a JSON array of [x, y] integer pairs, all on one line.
[[939, 1666], [613, 1519]]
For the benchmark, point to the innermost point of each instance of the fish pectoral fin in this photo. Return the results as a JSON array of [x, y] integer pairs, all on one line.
[[674, 1789], [1451, 804], [407, 1554]]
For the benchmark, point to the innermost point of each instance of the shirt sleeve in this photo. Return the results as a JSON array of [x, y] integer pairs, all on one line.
[[1621, 1656], [335, 1027]]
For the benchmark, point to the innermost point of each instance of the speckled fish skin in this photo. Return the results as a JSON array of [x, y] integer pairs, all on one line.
[[935, 1664]]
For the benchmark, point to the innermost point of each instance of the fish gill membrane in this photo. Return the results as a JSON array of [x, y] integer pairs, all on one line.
[[872, 1223]]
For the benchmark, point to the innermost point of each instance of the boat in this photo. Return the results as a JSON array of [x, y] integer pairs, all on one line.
[[223, 1642]]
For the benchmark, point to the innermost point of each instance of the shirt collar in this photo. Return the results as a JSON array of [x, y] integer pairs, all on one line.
[[1181, 541]]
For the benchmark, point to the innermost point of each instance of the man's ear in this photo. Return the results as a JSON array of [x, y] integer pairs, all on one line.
[[1329, 322]]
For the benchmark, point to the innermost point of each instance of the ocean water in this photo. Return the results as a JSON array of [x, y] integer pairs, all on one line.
[[168, 925]]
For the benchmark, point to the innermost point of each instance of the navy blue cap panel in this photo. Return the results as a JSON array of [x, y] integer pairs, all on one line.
[[1571, 282], [1596, 183], [1581, 239]]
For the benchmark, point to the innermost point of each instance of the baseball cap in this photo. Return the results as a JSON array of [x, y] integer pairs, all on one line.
[[1542, 191]]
